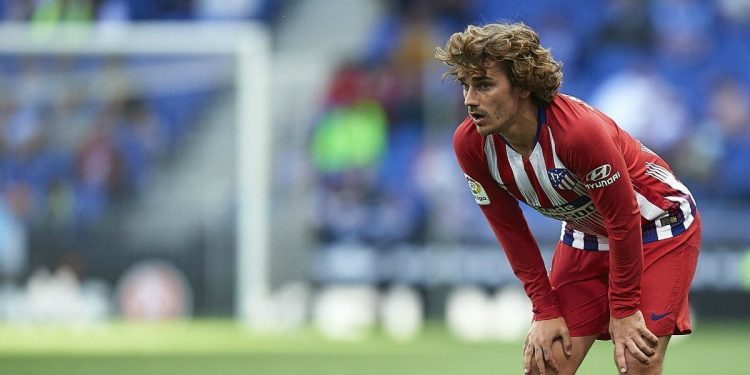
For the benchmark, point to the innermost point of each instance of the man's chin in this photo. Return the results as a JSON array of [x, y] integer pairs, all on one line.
[[484, 130]]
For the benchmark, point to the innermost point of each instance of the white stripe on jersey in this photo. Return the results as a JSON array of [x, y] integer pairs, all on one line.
[[522, 180], [603, 242], [664, 175], [540, 169], [578, 239], [491, 153], [686, 210], [647, 150], [662, 231], [665, 230], [579, 189], [648, 210], [592, 223], [558, 163]]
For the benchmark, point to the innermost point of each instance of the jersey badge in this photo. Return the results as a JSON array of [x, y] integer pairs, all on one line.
[[561, 179], [480, 196]]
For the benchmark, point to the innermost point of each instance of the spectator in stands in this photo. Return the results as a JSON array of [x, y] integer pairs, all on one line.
[[15, 202], [643, 104], [719, 150], [140, 140], [98, 170], [235, 10], [17, 10], [65, 11]]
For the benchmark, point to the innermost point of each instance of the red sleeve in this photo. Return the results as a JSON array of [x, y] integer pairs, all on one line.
[[508, 224], [596, 155]]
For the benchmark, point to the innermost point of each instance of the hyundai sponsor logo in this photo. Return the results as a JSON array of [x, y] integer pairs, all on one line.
[[599, 173], [603, 183]]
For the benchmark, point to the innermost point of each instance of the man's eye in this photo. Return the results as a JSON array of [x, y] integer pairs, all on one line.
[[484, 86]]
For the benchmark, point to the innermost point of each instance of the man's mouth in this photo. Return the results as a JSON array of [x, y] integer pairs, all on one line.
[[476, 116]]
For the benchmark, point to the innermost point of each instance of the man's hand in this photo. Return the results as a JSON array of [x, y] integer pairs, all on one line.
[[630, 332], [538, 344]]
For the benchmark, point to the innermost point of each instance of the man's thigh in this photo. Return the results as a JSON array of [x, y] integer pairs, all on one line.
[[580, 279], [669, 267]]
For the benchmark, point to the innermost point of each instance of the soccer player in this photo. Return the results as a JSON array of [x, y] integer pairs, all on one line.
[[630, 230]]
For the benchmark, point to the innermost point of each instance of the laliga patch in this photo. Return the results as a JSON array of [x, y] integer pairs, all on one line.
[[480, 196]]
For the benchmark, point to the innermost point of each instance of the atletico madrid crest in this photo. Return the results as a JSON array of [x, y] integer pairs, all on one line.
[[561, 178]]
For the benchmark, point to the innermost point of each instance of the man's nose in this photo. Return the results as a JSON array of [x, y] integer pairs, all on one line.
[[470, 98]]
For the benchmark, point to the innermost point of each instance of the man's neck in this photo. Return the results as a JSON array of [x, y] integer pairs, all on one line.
[[522, 133]]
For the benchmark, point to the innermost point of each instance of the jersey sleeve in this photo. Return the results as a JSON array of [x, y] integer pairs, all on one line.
[[510, 228], [597, 157]]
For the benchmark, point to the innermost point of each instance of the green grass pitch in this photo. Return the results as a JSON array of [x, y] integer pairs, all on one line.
[[222, 347]]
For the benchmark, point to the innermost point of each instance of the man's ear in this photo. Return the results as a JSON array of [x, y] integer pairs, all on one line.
[[523, 94]]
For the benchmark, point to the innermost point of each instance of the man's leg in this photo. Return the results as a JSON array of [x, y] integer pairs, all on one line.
[[669, 266], [636, 367], [580, 280], [568, 365]]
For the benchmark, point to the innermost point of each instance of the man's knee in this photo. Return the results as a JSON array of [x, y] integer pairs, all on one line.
[[565, 369], [568, 365], [636, 367]]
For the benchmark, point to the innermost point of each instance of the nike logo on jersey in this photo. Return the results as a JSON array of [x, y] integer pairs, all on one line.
[[655, 317]]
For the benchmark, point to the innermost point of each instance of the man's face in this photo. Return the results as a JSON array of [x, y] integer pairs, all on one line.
[[490, 99]]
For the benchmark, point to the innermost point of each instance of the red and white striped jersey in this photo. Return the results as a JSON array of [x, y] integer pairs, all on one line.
[[610, 192]]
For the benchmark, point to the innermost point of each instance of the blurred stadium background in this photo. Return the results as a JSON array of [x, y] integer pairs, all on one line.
[[202, 186]]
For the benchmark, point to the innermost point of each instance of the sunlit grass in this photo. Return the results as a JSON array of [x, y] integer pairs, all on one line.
[[224, 347]]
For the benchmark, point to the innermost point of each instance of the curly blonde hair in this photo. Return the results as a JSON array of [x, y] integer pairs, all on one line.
[[515, 46]]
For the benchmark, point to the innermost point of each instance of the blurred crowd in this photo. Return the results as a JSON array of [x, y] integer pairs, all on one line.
[[671, 72], [45, 11], [70, 148], [81, 134]]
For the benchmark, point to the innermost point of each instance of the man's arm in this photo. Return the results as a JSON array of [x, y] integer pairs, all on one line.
[[596, 157], [511, 230]]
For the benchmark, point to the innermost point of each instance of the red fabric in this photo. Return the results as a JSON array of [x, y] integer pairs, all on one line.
[[580, 140], [580, 279]]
